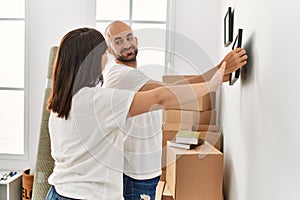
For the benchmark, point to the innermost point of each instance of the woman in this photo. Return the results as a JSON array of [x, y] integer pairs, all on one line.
[[86, 121]]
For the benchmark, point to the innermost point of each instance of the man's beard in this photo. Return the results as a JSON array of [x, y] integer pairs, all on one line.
[[123, 59]]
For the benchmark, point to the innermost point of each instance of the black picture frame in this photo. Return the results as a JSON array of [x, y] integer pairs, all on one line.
[[228, 27], [237, 43]]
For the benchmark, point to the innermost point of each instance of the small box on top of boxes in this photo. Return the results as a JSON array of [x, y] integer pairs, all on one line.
[[199, 115]]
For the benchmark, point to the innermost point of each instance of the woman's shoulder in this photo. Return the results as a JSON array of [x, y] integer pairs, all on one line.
[[93, 93]]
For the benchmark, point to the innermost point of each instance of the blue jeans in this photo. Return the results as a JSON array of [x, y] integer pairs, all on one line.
[[53, 195], [139, 189]]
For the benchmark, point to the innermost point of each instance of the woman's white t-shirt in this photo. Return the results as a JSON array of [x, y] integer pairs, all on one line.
[[88, 147]]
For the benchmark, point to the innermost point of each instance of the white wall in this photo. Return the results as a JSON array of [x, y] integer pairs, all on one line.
[[196, 35], [260, 115], [47, 22]]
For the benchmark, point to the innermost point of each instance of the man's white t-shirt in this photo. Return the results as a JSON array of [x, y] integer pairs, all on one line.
[[143, 140], [88, 147]]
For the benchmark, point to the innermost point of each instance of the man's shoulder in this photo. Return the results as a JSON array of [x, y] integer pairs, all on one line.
[[124, 71], [124, 77], [118, 67]]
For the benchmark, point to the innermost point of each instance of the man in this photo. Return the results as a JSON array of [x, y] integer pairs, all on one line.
[[142, 146]]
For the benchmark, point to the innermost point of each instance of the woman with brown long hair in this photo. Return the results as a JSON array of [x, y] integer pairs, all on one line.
[[86, 122]]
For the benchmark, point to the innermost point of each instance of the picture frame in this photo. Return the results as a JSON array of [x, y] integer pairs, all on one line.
[[237, 43], [228, 27]]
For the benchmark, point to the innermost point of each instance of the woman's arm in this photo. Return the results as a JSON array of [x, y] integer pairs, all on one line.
[[169, 96]]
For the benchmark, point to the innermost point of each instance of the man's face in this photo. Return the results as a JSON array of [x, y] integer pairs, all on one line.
[[123, 44]]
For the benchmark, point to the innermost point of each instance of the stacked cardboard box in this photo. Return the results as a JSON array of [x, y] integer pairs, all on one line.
[[190, 117], [198, 115], [195, 174]]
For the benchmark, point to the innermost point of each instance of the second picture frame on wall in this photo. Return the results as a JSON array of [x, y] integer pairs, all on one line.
[[237, 43]]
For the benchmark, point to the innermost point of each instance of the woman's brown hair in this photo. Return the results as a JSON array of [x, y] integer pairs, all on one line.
[[77, 65]]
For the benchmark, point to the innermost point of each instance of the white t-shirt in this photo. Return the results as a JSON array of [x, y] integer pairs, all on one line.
[[88, 147], [143, 143]]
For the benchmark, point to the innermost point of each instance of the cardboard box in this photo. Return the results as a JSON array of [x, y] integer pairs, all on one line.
[[197, 127], [169, 131], [210, 133], [159, 190], [195, 174], [167, 136], [176, 126], [213, 138], [207, 102], [190, 117], [166, 193], [212, 128]]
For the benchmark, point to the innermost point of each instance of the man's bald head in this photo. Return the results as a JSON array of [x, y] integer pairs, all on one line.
[[115, 28]]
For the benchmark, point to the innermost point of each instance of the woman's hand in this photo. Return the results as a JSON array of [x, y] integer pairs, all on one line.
[[217, 79]]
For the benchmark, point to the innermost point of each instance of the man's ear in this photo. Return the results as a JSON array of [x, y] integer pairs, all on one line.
[[136, 40], [109, 50]]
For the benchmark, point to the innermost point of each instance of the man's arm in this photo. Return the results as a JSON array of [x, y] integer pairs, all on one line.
[[150, 85], [201, 78], [235, 59], [195, 79]]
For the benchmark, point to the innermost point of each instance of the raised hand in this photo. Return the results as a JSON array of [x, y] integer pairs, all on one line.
[[235, 59]]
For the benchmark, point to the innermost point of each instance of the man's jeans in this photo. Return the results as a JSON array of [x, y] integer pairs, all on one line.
[[139, 189], [52, 195]]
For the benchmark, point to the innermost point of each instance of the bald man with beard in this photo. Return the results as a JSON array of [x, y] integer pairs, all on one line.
[[143, 143]]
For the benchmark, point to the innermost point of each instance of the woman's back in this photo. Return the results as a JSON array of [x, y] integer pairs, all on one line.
[[88, 146]]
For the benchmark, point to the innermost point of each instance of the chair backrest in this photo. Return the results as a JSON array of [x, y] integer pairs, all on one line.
[[44, 160]]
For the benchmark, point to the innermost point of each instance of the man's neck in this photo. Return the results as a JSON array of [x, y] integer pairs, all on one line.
[[132, 64]]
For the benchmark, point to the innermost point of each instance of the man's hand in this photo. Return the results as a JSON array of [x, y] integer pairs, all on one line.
[[235, 59]]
